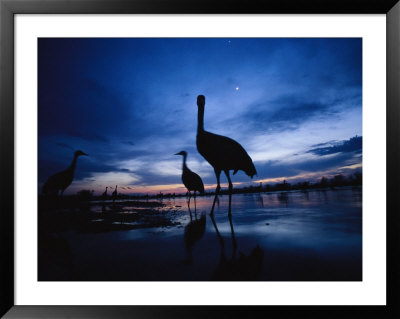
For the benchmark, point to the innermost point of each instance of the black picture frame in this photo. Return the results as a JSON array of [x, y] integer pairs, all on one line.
[[8, 9]]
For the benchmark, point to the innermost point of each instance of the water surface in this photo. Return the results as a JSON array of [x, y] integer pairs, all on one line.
[[278, 236]]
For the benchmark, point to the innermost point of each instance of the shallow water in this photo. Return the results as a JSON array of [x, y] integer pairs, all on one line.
[[288, 236]]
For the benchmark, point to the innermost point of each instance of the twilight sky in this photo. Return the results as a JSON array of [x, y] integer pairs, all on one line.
[[294, 104]]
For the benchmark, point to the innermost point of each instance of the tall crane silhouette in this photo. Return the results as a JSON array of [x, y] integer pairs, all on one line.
[[223, 153]]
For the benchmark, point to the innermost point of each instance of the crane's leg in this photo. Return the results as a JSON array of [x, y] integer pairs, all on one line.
[[234, 245], [190, 212], [190, 194], [229, 180], [230, 191], [194, 202], [217, 174]]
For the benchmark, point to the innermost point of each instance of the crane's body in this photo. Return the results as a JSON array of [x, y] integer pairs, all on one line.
[[224, 153], [60, 181], [190, 179]]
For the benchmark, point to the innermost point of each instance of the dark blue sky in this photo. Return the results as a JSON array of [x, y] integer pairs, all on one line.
[[293, 104]]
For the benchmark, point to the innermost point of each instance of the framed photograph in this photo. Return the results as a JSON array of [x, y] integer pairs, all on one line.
[[172, 159]]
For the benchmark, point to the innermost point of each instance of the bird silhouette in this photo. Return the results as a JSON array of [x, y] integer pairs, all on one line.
[[114, 193], [104, 195], [223, 153], [60, 181], [194, 231], [190, 179]]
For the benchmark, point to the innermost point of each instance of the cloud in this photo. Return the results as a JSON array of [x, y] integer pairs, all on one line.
[[354, 144], [84, 108], [325, 143], [109, 178], [64, 145], [289, 111], [332, 163]]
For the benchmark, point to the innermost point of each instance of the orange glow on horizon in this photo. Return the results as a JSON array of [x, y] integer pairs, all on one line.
[[173, 188]]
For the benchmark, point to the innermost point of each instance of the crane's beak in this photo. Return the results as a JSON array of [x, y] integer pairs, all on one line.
[[178, 153], [84, 154]]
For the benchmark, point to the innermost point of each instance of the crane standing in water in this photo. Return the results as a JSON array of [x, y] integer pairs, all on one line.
[[114, 193], [223, 153], [104, 196], [60, 181], [190, 179]]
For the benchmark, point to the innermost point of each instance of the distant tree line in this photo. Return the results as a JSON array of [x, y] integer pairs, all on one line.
[[339, 180]]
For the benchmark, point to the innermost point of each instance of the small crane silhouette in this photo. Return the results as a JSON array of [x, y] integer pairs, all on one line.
[[104, 196], [114, 193], [190, 179], [223, 153], [60, 181]]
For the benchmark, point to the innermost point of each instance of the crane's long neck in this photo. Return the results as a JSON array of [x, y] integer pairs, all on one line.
[[73, 164], [184, 162], [200, 119]]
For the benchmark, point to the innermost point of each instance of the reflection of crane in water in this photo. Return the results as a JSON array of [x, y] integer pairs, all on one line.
[[306, 195], [60, 181], [246, 267], [260, 199], [194, 231], [223, 153], [324, 195], [283, 198], [190, 179], [114, 193]]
